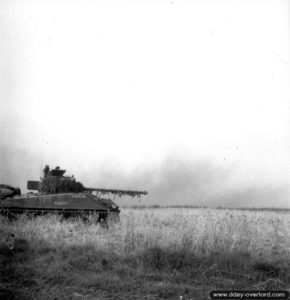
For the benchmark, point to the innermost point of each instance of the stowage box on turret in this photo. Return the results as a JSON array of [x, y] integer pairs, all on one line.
[[63, 194]]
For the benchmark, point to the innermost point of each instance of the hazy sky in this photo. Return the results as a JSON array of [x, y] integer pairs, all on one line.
[[188, 99]]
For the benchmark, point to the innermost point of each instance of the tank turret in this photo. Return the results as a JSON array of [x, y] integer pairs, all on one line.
[[54, 182]]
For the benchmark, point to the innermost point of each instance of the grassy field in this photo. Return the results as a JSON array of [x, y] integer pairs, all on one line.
[[151, 254]]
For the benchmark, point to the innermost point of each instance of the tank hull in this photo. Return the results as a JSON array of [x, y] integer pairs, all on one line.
[[67, 204]]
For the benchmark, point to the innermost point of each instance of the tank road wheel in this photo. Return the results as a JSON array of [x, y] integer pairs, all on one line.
[[104, 224], [103, 220], [85, 218], [93, 217], [113, 217]]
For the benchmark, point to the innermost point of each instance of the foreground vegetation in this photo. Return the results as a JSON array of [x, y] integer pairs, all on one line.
[[150, 254]]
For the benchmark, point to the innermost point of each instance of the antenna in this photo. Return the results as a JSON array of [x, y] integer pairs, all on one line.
[[41, 147]]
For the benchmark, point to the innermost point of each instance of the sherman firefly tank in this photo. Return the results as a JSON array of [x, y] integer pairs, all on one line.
[[56, 193]]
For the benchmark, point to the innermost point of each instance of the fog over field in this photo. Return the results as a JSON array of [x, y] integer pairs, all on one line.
[[186, 99], [174, 181]]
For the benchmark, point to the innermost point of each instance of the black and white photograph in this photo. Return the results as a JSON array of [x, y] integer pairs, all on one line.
[[144, 149]]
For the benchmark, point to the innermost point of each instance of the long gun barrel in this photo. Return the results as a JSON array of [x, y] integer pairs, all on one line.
[[120, 193]]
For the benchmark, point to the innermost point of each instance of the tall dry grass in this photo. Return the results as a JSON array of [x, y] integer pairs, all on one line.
[[189, 251], [261, 234]]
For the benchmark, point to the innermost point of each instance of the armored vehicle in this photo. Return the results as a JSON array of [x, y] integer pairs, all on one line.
[[56, 193]]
